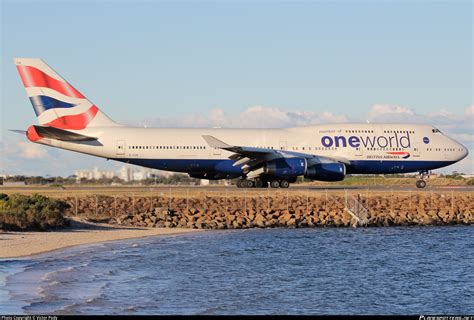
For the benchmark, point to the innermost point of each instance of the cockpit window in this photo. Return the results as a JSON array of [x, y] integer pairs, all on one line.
[[436, 130]]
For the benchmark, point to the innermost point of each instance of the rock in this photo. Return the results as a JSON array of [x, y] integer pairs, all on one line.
[[285, 217], [161, 213], [291, 222], [260, 220], [182, 222], [198, 225]]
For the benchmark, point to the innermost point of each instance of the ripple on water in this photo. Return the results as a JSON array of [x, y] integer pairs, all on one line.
[[275, 271]]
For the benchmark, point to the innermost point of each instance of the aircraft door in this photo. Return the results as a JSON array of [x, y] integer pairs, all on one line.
[[216, 151], [416, 150], [120, 147]]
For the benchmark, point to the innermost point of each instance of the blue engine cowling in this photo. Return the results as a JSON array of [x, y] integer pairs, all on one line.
[[326, 172], [286, 167]]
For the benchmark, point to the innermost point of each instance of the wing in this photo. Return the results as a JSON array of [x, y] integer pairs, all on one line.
[[251, 158]]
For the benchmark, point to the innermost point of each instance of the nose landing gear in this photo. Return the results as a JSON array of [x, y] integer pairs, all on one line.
[[421, 182]]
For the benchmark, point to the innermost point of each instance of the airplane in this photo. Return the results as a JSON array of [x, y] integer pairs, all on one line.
[[258, 157]]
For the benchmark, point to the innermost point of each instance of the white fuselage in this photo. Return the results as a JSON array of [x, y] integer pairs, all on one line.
[[386, 148]]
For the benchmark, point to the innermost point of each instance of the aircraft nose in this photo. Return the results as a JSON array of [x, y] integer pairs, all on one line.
[[464, 151]]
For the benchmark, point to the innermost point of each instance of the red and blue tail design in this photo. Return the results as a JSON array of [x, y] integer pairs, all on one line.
[[57, 103]]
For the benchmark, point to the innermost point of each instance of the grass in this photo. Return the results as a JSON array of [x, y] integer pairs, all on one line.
[[165, 191], [396, 181]]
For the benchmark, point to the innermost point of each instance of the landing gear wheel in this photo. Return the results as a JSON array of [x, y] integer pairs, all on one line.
[[284, 184], [249, 184], [275, 184], [240, 183], [421, 184], [258, 184]]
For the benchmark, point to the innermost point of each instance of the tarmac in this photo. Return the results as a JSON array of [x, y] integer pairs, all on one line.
[[47, 189]]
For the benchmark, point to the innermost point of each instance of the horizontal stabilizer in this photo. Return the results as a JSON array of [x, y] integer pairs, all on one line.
[[62, 135], [18, 131]]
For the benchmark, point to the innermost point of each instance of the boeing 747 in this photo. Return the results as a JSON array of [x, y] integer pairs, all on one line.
[[259, 157]]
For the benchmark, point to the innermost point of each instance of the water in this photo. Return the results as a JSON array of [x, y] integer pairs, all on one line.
[[406, 270]]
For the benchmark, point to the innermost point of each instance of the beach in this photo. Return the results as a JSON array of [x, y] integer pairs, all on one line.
[[22, 244]]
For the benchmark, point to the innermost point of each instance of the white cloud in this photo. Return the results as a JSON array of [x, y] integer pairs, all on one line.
[[19, 156], [463, 137], [459, 126], [252, 117], [30, 150], [465, 166], [470, 111], [384, 111]]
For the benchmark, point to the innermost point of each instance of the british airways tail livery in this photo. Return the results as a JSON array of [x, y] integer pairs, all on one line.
[[260, 157]]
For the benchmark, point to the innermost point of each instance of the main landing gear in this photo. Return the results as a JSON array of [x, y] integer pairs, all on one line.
[[258, 183], [244, 183], [421, 182]]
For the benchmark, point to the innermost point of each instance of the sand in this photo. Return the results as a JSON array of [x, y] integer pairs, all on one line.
[[22, 244]]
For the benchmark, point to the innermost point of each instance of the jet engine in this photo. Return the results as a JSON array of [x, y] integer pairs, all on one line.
[[332, 171], [285, 168]]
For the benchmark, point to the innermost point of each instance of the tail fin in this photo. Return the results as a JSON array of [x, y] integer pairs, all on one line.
[[57, 103]]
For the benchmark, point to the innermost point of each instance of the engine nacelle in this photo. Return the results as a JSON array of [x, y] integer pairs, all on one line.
[[288, 167], [326, 172]]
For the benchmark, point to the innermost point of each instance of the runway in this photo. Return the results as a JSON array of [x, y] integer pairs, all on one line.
[[389, 187], [138, 189]]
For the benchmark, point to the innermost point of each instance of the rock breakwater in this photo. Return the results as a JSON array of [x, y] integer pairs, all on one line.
[[296, 210]]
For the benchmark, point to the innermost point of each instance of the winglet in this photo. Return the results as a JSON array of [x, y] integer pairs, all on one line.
[[215, 143]]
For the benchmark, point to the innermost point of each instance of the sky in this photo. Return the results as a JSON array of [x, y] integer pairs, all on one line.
[[241, 64]]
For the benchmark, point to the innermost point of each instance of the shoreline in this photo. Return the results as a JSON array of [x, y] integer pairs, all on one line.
[[21, 244]]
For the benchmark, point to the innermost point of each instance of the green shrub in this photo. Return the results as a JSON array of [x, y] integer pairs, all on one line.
[[36, 212], [470, 182]]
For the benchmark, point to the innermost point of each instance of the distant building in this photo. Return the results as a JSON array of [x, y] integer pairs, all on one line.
[[138, 175], [13, 183], [125, 174], [84, 174], [94, 174], [102, 174]]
